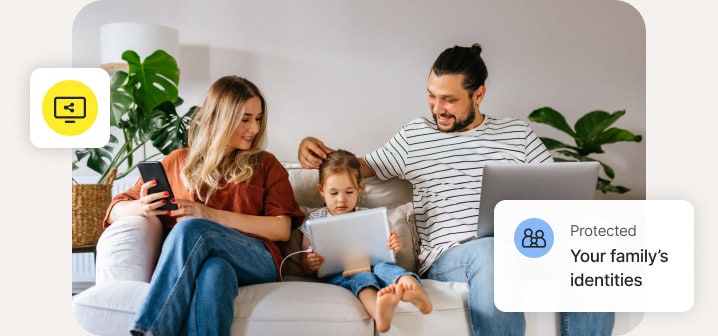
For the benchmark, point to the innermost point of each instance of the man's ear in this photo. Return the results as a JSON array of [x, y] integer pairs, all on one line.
[[478, 95]]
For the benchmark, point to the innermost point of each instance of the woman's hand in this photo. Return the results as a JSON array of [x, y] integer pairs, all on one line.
[[311, 262], [149, 203], [312, 152], [187, 208], [394, 243]]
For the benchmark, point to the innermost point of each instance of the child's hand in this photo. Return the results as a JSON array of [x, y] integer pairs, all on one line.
[[394, 243], [311, 261]]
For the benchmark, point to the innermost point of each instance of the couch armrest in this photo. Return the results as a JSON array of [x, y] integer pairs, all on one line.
[[128, 249]]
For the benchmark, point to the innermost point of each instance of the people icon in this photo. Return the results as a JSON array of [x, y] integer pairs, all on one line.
[[531, 240]]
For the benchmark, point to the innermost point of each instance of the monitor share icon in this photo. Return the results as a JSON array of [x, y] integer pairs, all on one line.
[[70, 108]]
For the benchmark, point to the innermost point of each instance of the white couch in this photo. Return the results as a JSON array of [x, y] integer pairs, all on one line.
[[298, 305]]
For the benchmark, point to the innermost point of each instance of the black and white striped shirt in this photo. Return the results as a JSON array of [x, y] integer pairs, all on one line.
[[446, 169]]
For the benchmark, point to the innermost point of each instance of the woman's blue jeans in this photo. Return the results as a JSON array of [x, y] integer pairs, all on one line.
[[200, 269], [473, 262]]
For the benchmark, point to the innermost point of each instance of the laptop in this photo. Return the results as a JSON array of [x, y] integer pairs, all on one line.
[[534, 181], [361, 233]]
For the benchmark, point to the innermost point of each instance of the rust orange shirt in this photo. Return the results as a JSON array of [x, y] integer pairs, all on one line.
[[268, 193]]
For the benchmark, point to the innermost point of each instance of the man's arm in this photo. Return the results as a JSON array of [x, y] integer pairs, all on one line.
[[312, 152], [365, 170]]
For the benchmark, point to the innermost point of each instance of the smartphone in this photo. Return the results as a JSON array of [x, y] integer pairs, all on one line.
[[152, 170]]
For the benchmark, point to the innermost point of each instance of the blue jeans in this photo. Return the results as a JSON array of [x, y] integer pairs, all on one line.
[[196, 280], [473, 262], [382, 275]]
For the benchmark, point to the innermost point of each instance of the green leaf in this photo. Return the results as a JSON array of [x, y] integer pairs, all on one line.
[[121, 102], [573, 155], [614, 134], [173, 134], [553, 118], [153, 81], [593, 123], [605, 186], [608, 170], [98, 159], [590, 126], [552, 144]]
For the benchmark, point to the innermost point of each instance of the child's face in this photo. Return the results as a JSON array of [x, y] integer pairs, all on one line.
[[340, 193]]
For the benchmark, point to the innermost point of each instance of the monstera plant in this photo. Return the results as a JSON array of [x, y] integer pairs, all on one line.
[[144, 103], [589, 134]]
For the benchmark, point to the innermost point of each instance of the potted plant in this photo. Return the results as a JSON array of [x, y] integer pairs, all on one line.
[[143, 108], [589, 134]]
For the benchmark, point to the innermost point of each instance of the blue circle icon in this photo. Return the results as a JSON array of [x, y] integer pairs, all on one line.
[[533, 237]]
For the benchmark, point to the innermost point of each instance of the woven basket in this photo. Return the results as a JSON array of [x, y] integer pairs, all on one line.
[[89, 204]]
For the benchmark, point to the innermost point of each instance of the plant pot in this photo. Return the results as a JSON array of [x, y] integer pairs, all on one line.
[[89, 205]]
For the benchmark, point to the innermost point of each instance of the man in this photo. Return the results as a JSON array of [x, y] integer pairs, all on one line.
[[443, 158]]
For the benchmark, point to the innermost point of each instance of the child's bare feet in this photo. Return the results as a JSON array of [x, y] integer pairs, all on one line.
[[415, 294], [386, 300]]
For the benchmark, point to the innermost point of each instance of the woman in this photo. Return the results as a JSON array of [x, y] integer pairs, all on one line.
[[234, 202]]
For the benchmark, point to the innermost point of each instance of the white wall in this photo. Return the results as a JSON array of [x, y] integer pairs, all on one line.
[[352, 72]]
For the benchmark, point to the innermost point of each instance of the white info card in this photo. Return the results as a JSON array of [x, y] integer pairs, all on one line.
[[593, 256]]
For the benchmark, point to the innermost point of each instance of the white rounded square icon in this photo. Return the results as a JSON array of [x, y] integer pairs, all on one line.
[[69, 107]]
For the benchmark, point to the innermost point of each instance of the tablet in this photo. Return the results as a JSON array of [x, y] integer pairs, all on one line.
[[339, 237]]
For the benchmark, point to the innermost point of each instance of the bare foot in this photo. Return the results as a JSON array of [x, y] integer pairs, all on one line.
[[386, 300], [415, 294]]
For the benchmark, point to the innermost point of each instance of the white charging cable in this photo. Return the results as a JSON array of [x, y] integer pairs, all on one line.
[[281, 278]]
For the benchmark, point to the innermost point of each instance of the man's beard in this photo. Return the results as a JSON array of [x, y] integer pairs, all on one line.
[[458, 124]]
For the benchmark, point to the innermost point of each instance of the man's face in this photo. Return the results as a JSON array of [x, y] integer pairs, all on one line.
[[451, 105]]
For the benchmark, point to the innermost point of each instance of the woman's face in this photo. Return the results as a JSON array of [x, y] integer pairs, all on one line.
[[340, 193], [243, 136]]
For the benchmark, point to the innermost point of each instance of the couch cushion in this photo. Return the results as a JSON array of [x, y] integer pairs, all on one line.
[[377, 193], [449, 317], [299, 308], [286, 308], [401, 219], [109, 308]]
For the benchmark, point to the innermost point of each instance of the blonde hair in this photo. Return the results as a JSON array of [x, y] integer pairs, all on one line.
[[207, 168]]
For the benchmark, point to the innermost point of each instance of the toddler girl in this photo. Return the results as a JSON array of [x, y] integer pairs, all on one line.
[[380, 290]]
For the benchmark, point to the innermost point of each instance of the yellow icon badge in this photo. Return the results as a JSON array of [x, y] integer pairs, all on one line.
[[69, 107]]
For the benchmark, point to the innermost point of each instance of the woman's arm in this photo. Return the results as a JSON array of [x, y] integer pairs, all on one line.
[[276, 228]]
